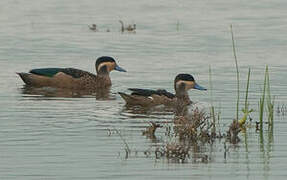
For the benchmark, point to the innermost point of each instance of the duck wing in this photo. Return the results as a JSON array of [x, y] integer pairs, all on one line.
[[150, 92], [50, 72]]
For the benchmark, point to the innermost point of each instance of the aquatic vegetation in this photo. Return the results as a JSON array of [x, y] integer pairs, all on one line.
[[177, 25], [237, 72], [212, 109], [175, 152], [246, 110], [246, 92], [233, 131], [266, 96], [129, 28], [194, 127], [150, 130], [269, 100], [190, 131], [244, 118], [127, 148], [262, 99]]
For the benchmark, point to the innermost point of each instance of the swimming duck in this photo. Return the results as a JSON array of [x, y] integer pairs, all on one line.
[[70, 78], [147, 97], [93, 27]]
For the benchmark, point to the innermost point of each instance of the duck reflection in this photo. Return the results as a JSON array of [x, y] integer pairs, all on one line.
[[100, 94], [147, 112]]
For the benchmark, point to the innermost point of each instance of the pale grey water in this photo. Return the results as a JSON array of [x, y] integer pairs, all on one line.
[[67, 138]]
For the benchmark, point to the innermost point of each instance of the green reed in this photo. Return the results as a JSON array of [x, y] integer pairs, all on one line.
[[262, 100], [246, 92], [212, 111], [246, 110], [269, 100], [177, 25], [237, 71]]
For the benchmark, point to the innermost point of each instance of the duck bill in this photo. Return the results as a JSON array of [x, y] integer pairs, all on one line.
[[118, 68], [197, 86]]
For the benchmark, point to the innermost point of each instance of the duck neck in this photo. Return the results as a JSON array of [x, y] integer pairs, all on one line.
[[183, 98], [103, 71], [182, 101], [103, 76], [104, 80], [182, 95], [106, 74]]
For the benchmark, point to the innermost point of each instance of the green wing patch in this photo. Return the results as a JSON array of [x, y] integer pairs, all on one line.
[[49, 72]]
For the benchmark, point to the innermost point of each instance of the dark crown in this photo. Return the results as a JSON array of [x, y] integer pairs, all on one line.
[[102, 59], [184, 77]]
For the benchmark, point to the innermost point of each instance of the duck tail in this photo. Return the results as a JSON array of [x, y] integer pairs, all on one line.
[[128, 98], [125, 96], [135, 100], [25, 77]]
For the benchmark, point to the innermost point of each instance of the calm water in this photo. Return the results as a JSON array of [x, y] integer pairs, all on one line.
[[44, 137]]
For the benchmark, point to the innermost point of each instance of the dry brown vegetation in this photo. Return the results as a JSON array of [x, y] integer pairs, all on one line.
[[233, 131]]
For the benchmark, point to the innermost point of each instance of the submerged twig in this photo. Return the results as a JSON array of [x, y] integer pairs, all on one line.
[[128, 150]]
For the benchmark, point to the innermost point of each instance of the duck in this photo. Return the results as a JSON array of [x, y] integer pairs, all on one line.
[[93, 27], [149, 98], [71, 78]]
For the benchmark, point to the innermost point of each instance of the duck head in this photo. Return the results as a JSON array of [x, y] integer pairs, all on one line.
[[105, 64], [185, 82]]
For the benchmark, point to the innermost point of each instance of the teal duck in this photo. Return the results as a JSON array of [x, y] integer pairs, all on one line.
[[147, 97], [71, 78]]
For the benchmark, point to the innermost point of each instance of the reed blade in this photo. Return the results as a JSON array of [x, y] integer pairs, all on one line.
[[237, 71]]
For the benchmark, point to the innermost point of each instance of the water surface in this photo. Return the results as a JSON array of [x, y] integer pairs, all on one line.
[[59, 137]]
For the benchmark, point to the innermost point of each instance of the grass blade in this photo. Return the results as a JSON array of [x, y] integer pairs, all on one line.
[[237, 72]]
